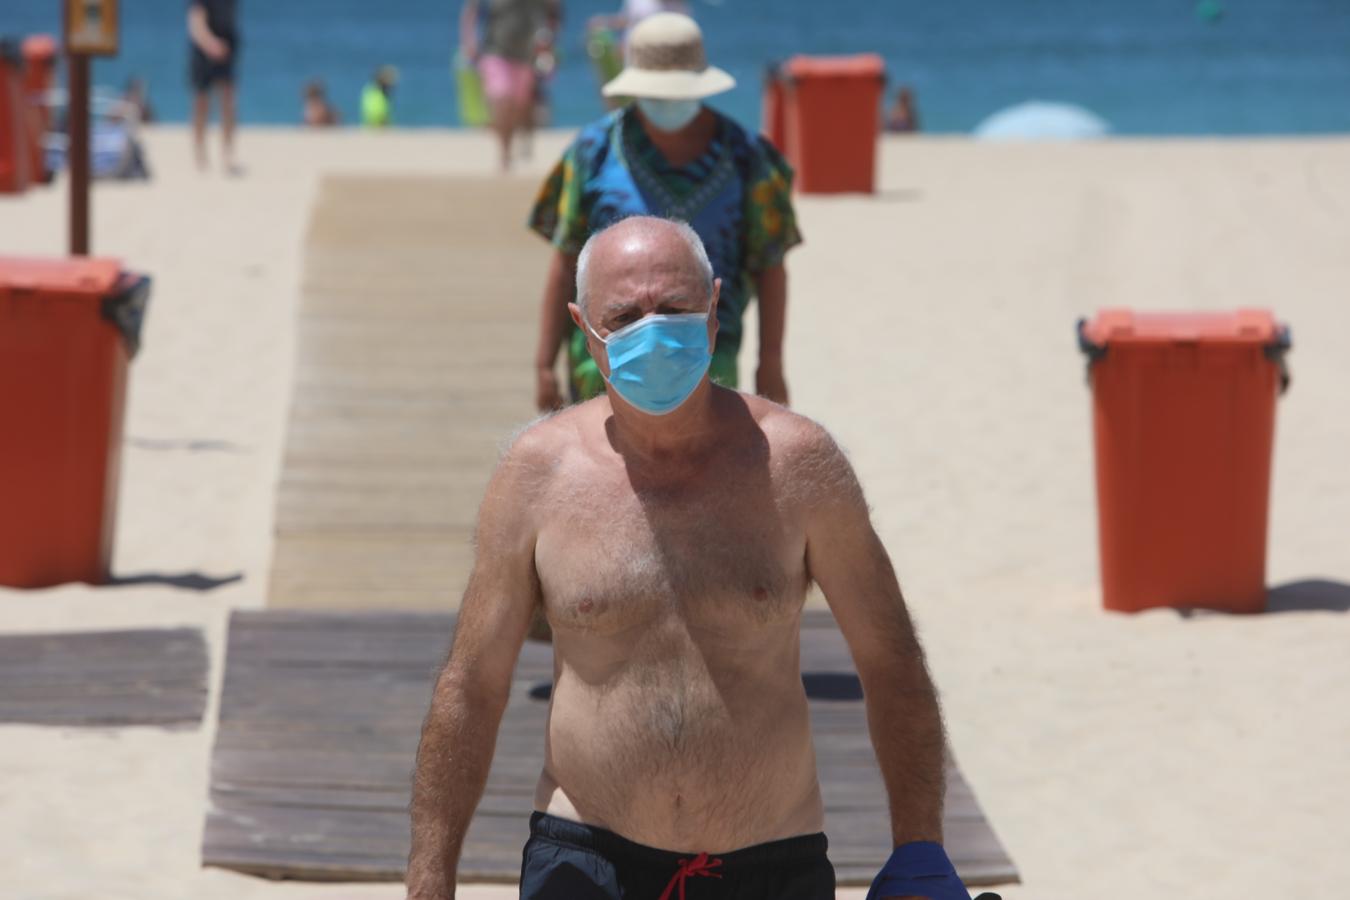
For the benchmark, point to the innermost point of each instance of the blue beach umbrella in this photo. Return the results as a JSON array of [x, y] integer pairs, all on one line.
[[1038, 120]]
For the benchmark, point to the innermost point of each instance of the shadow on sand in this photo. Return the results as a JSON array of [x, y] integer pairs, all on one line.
[[189, 581], [1310, 595], [832, 686], [819, 686]]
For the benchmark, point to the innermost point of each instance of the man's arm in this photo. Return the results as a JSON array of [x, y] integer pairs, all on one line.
[[471, 693], [468, 29], [200, 33], [846, 558], [771, 290], [559, 290]]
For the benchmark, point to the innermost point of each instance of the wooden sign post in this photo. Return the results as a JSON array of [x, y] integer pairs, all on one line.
[[91, 30]]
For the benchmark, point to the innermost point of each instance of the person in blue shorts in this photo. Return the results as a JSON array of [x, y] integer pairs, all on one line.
[[213, 56]]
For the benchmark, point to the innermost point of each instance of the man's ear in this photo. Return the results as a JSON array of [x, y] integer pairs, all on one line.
[[712, 312], [597, 350]]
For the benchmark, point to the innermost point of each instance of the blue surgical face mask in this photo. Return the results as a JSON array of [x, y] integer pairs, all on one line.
[[669, 115], [656, 362]]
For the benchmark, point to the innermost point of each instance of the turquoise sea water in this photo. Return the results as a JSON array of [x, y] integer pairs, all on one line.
[[1147, 66]]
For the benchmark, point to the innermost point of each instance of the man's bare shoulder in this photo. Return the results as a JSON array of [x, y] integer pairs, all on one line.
[[531, 462], [540, 447], [791, 436], [802, 449]]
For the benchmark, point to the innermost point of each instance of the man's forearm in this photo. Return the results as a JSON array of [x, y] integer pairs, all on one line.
[[453, 760], [199, 31], [906, 727], [468, 28]]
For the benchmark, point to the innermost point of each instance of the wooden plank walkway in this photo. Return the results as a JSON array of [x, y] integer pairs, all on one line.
[[104, 678], [417, 325], [320, 718]]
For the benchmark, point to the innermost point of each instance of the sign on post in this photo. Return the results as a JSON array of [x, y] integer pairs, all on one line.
[[91, 30], [91, 27]]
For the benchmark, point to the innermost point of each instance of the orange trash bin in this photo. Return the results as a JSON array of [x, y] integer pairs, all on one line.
[[39, 74], [833, 121], [68, 328], [15, 172], [1184, 422]]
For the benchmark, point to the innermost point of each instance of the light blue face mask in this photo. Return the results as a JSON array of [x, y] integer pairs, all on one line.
[[656, 362], [669, 115]]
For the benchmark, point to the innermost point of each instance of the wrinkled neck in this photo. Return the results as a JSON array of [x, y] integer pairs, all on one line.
[[681, 434]]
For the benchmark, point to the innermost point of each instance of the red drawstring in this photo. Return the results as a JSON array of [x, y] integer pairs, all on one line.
[[699, 865]]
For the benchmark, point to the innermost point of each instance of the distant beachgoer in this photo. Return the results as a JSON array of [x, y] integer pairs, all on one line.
[[540, 113], [515, 33], [903, 117], [670, 156], [213, 34], [377, 98], [318, 112], [136, 98], [633, 12], [606, 37]]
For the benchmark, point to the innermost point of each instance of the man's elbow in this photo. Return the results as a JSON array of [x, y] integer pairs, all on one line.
[[894, 674], [474, 691]]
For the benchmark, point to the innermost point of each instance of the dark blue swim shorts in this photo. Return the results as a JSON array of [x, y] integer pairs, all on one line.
[[569, 861]]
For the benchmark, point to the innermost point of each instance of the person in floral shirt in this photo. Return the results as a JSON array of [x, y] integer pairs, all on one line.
[[669, 155]]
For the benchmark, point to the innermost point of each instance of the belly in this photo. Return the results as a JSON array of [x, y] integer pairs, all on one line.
[[673, 754]]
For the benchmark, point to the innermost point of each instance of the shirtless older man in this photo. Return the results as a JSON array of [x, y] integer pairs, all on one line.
[[669, 530]]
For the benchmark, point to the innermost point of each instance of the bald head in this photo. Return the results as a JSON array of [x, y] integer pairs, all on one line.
[[637, 254]]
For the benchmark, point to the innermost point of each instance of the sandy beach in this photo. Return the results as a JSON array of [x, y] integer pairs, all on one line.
[[931, 329]]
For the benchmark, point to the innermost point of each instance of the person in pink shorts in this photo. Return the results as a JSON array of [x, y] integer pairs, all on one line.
[[513, 32]]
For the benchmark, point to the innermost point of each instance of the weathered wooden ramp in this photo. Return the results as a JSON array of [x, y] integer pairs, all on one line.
[[417, 324], [319, 722], [104, 678]]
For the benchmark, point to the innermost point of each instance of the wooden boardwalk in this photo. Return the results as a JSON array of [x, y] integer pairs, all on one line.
[[417, 327], [319, 722], [104, 678]]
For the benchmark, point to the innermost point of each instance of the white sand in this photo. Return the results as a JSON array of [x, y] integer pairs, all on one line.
[[931, 329]]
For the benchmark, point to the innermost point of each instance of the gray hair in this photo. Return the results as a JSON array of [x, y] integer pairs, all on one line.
[[683, 229]]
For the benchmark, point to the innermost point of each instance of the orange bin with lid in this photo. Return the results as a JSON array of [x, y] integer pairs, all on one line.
[[832, 121], [15, 155], [1184, 421], [39, 75], [68, 328]]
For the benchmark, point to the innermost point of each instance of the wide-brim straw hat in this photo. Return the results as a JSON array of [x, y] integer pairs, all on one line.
[[665, 61]]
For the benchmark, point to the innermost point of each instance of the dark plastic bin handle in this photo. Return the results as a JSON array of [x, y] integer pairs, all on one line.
[[1276, 353], [1093, 351], [125, 308]]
